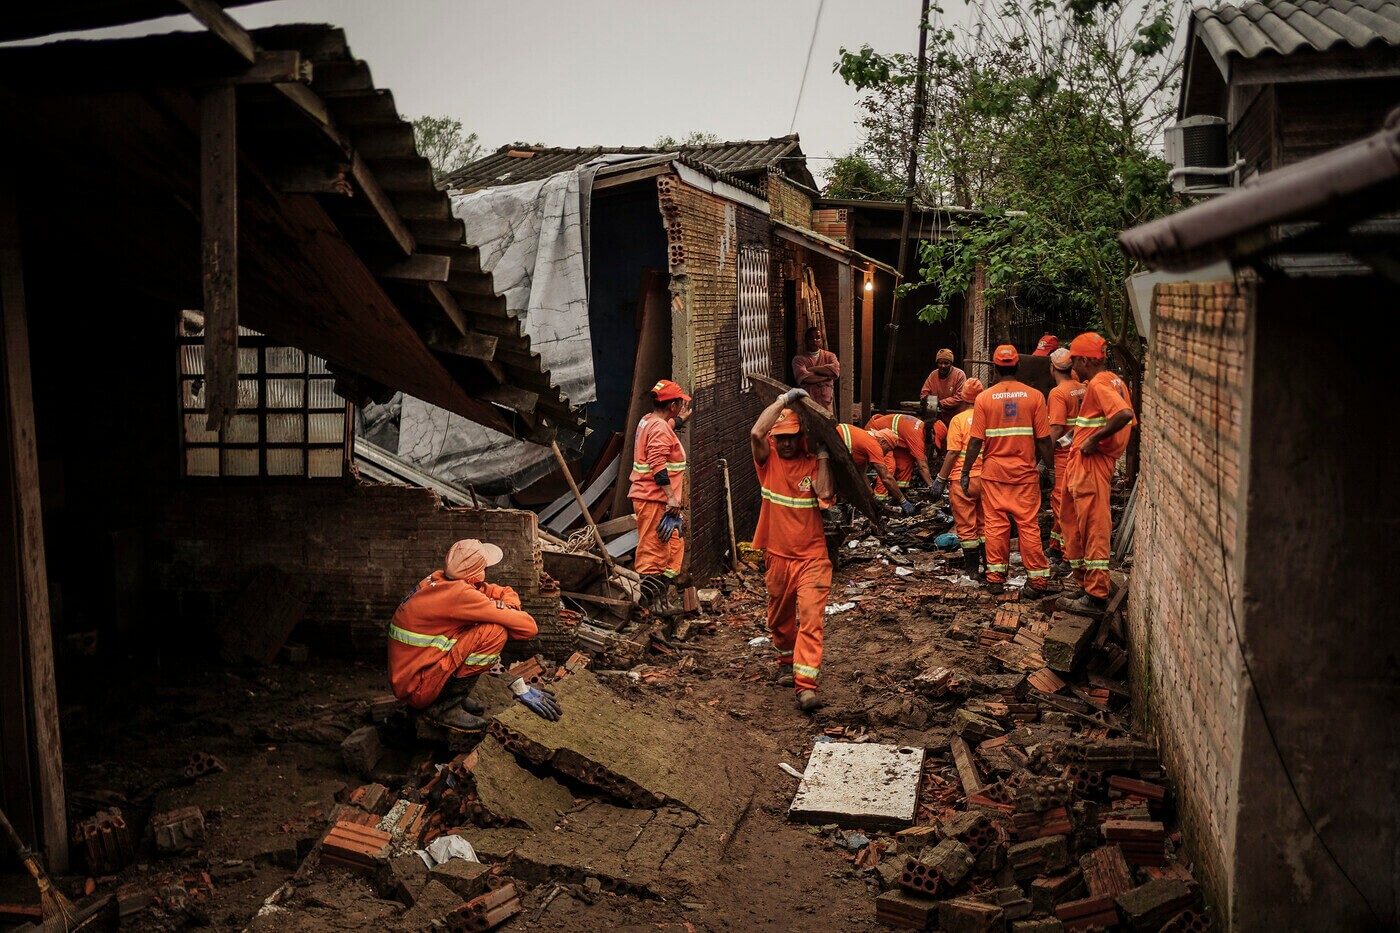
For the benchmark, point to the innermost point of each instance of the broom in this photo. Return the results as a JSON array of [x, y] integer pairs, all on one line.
[[53, 906]]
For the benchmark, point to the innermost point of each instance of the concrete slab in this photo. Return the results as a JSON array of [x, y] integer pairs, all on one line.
[[507, 794], [859, 785]]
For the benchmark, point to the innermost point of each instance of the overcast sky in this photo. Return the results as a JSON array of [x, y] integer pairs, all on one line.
[[614, 72]]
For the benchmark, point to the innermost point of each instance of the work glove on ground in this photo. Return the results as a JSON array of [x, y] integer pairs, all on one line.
[[908, 507], [538, 701], [792, 395], [670, 524]]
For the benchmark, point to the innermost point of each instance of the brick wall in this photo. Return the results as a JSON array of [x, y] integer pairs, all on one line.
[[353, 551], [705, 233], [1186, 664], [832, 223], [787, 202]]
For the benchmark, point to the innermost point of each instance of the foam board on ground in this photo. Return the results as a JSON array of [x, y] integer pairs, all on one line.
[[859, 785]]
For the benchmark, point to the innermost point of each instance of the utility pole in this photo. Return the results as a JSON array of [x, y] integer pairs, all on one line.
[[900, 301]]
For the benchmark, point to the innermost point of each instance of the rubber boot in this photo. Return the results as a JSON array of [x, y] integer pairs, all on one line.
[[1086, 605], [972, 564], [460, 689], [447, 711], [784, 676]]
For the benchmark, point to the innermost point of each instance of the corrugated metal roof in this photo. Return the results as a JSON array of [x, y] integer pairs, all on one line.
[[1280, 27], [511, 165]]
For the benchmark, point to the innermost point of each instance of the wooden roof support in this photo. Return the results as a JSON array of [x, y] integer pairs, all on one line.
[[224, 26], [473, 345], [420, 267], [218, 210]]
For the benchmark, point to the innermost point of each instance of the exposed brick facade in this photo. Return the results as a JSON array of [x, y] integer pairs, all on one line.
[[787, 202], [705, 233], [353, 551], [1186, 662]]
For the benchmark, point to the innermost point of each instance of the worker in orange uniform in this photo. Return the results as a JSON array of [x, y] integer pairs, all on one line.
[[817, 370], [910, 454], [449, 629], [967, 505], [658, 494], [1100, 436], [796, 486], [1064, 414], [873, 450], [1009, 421], [945, 384]]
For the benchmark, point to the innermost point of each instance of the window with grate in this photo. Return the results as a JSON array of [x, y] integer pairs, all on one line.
[[755, 354], [289, 422]]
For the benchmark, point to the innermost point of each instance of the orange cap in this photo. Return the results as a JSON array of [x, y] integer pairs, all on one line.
[[1006, 355], [1089, 345], [1047, 345], [971, 389], [788, 423], [668, 391]]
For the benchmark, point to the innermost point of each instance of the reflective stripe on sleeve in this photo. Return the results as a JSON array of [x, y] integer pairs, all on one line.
[[845, 432]]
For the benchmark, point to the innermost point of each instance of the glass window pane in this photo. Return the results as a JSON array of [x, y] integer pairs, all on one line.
[[285, 461], [323, 395], [247, 332], [286, 429], [240, 462], [316, 366], [326, 462], [247, 393], [242, 429], [196, 432], [247, 361], [192, 359], [327, 429], [193, 394], [286, 393], [202, 461], [285, 360]]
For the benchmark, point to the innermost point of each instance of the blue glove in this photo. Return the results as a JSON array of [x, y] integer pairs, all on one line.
[[670, 524], [540, 703], [938, 487], [908, 507]]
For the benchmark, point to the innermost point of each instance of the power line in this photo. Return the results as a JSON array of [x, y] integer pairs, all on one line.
[[811, 47]]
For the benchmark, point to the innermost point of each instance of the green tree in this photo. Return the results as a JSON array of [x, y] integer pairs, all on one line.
[[853, 176], [693, 138], [446, 146], [1044, 119]]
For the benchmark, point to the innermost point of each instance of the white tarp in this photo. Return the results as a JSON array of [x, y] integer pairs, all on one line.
[[531, 239]]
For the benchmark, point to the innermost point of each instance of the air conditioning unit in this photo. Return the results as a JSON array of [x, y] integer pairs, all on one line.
[[1198, 150]]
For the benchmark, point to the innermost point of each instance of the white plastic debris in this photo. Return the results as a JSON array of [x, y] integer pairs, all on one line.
[[790, 770], [446, 848], [1016, 581], [759, 642], [852, 545], [894, 549], [903, 572], [838, 608]]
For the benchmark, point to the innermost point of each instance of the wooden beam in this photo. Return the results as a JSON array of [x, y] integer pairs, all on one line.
[[384, 207], [624, 178], [420, 267], [519, 400], [30, 579], [326, 178], [846, 340], [218, 203], [448, 303], [274, 67], [213, 17], [967, 768], [472, 344]]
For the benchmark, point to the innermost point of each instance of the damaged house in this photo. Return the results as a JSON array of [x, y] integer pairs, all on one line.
[[258, 243]]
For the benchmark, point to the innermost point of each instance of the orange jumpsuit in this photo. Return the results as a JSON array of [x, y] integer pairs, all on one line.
[[967, 507], [1009, 417], [908, 453], [864, 448], [656, 449], [798, 569], [447, 628], [1087, 522], [1064, 411]]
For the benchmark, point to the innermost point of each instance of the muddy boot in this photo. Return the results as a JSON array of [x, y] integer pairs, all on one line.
[[449, 714], [807, 701], [982, 559], [1086, 605], [460, 689], [664, 606], [784, 676], [972, 563], [1070, 597], [996, 589]]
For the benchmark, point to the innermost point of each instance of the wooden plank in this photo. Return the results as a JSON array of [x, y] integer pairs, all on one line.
[[448, 303], [384, 207], [270, 67], [650, 364], [967, 768], [218, 206], [617, 526], [626, 178], [582, 507], [599, 600], [420, 267], [406, 474], [846, 341], [573, 511], [213, 17], [323, 178], [521, 400], [624, 544], [820, 425], [30, 573]]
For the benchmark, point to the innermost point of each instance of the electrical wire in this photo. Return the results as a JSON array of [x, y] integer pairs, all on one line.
[[811, 47], [1249, 672]]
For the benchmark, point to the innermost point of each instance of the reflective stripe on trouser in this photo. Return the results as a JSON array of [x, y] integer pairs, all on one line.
[[797, 591], [1087, 522], [479, 647], [967, 511], [1003, 503], [1057, 534], [904, 471], [653, 554]]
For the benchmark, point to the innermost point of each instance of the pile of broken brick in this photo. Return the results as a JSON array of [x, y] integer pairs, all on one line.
[[1047, 813]]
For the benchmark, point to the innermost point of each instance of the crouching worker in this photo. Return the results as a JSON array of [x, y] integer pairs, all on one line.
[[449, 630], [796, 486]]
